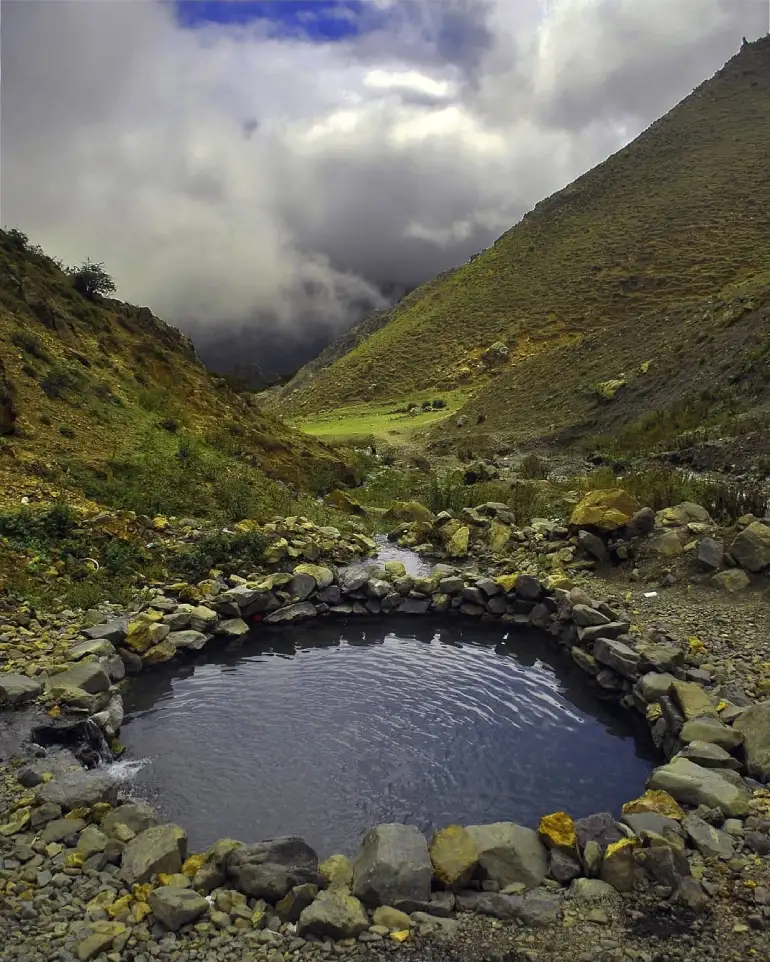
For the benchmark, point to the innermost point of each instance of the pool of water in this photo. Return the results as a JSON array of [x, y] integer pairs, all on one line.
[[325, 730], [388, 551]]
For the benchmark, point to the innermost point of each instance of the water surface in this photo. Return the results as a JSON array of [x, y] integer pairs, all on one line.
[[327, 729]]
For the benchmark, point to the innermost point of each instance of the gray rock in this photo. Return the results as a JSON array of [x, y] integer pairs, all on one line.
[[195, 640], [392, 863], [161, 848], [269, 869], [711, 554], [535, 909], [354, 577], [136, 816], [617, 656], [590, 890], [563, 866], [695, 785], [510, 853], [414, 606], [301, 586], [451, 585], [754, 725], [708, 840], [113, 631], [613, 629], [296, 612], [91, 841], [88, 675], [599, 828], [100, 647], [708, 755], [665, 863], [18, 689], [231, 628], [711, 731], [583, 616], [334, 914], [654, 684], [61, 828], [294, 903], [643, 823], [751, 548], [79, 789], [439, 903], [528, 588], [175, 907], [593, 545]]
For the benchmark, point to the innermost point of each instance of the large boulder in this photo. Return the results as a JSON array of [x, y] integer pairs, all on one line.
[[343, 502], [454, 856], [161, 848], [510, 853], [88, 675], [606, 510], [392, 863], [693, 700], [269, 869], [751, 548], [334, 914], [754, 725], [79, 789], [174, 907], [18, 689], [404, 511], [129, 819], [694, 785]]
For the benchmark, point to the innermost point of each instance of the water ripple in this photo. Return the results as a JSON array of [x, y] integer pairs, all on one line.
[[324, 730]]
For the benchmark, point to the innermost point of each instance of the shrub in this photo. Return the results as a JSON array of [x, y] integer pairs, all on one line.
[[439, 403], [91, 279], [59, 380], [37, 528], [221, 550], [170, 424], [18, 239], [31, 344], [66, 431]]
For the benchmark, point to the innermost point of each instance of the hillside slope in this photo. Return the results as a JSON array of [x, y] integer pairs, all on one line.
[[104, 398], [625, 263]]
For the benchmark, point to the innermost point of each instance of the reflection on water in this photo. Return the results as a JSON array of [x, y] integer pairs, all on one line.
[[325, 730]]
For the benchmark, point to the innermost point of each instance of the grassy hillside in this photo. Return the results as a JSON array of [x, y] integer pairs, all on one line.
[[105, 400], [660, 256]]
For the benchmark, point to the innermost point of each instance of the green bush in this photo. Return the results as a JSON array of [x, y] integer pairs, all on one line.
[[91, 279], [31, 344], [37, 528], [221, 550]]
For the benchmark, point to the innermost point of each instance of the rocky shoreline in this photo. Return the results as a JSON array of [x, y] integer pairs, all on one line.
[[95, 874]]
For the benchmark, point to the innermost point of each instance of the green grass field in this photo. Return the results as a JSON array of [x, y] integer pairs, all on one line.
[[380, 421]]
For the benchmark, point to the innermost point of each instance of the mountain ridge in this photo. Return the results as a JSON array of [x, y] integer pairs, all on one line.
[[675, 221]]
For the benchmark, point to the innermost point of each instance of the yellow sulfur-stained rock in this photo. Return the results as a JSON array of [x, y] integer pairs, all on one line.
[[507, 582], [606, 510], [619, 868], [145, 631], [337, 870], [558, 831], [401, 936], [656, 801], [193, 863], [458, 544], [454, 856]]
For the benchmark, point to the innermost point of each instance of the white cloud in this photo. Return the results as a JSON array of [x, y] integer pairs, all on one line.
[[227, 176]]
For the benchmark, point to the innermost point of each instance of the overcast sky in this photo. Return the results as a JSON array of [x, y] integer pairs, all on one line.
[[230, 162]]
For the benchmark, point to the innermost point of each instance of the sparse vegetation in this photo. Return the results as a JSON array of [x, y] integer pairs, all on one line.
[[219, 549]]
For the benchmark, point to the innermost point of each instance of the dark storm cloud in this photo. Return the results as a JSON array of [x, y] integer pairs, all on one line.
[[227, 176]]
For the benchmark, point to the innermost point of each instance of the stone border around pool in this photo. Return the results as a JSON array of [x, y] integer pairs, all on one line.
[[717, 752]]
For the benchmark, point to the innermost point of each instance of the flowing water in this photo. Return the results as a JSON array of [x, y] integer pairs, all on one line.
[[326, 729]]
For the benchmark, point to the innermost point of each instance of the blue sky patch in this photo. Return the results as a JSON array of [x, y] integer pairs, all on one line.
[[319, 21]]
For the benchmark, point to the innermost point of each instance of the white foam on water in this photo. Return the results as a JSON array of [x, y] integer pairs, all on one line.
[[124, 770]]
